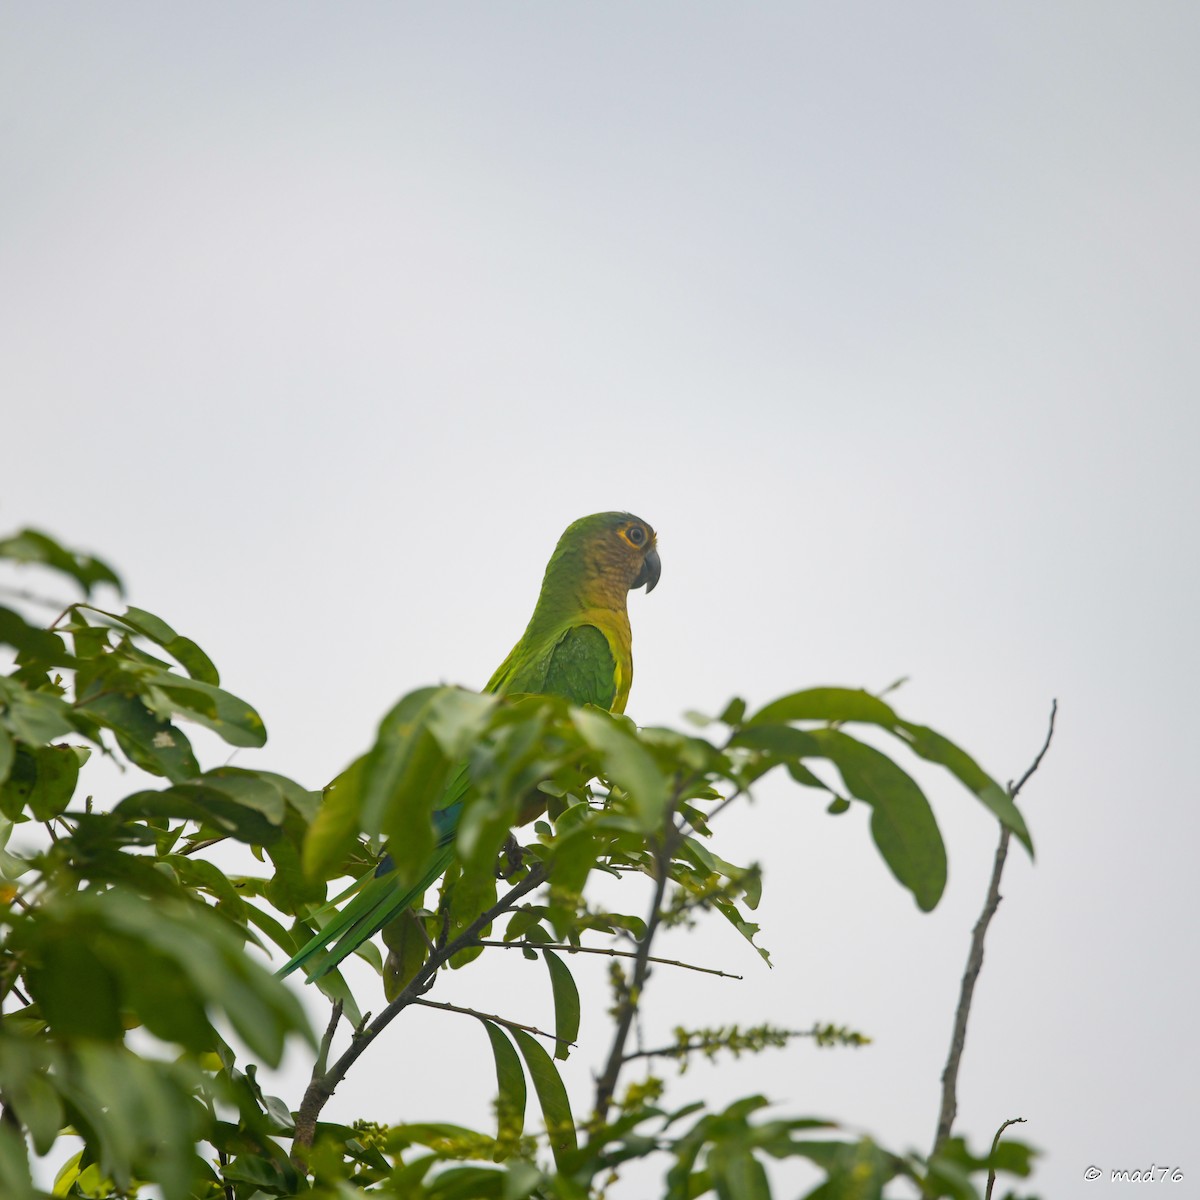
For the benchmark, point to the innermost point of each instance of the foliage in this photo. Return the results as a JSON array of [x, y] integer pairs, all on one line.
[[137, 997]]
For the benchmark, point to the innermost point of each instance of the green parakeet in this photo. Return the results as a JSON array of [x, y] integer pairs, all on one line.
[[577, 645]]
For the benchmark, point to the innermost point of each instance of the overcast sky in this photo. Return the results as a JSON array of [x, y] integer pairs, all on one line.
[[321, 322]]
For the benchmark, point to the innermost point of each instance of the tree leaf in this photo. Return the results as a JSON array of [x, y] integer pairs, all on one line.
[[626, 762], [250, 789], [207, 806], [32, 644], [39, 1108], [42, 778], [67, 969], [784, 741], [552, 1095], [16, 1182], [404, 780], [933, 747], [456, 718], [738, 1175], [153, 744], [510, 1092], [902, 823], [30, 546], [334, 830], [33, 717], [8, 753], [231, 718], [566, 1004], [827, 704], [185, 652]]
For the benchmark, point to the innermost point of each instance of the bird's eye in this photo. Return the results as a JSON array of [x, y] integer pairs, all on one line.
[[636, 534]]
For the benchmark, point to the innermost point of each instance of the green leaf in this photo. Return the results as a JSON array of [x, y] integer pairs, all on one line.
[[469, 895], [847, 704], [566, 1004], [290, 890], [856, 1171], [30, 546], [39, 1108], [67, 969], [33, 717], [42, 778], [199, 873], [457, 717], [408, 948], [827, 704], [153, 744], [16, 1183], [169, 963], [902, 823], [33, 644], [250, 789], [510, 1092], [552, 1095], [334, 830], [403, 780], [183, 650], [208, 806], [738, 1175], [258, 1171], [783, 741], [8, 753], [626, 762], [933, 747], [231, 718], [468, 1183]]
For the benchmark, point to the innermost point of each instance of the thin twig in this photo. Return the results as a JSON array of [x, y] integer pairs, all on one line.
[[482, 1016], [567, 948], [991, 1183], [949, 1107], [323, 1083]]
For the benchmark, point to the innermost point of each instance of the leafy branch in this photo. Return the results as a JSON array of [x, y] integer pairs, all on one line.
[[323, 1082], [123, 895]]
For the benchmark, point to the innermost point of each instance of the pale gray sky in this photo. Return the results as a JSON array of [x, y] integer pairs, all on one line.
[[322, 322]]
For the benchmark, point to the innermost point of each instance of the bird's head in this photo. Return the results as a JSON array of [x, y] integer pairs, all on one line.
[[607, 554]]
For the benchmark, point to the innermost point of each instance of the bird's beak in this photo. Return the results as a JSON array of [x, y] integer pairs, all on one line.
[[651, 570]]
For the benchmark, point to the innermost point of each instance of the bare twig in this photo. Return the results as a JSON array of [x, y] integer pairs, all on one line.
[[991, 1183], [567, 948], [949, 1107], [323, 1083], [498, 1020]]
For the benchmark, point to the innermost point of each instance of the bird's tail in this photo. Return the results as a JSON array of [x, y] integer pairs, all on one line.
[[379, 900]]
